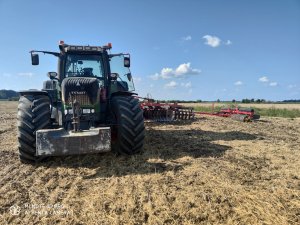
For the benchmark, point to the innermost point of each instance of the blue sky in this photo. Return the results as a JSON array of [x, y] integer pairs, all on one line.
[[179, 49]]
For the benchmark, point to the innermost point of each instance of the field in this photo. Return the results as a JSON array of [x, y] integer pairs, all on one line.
[[209, 171]]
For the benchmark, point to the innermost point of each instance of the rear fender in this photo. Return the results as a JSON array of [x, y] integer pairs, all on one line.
[[124, 93]]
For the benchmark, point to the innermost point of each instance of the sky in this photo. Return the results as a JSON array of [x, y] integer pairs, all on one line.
[[186, 50]]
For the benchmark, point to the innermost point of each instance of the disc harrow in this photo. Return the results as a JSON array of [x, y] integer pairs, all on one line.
[[165, 112], [236, 113]]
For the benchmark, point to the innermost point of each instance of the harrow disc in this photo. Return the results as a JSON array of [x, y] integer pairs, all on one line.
[[168, 115]]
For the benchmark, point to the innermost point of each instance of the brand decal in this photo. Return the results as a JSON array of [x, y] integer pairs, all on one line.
[[78, 92]]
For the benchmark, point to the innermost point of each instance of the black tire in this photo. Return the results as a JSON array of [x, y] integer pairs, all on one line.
[[256, 117], [33, 115], [129, 133]]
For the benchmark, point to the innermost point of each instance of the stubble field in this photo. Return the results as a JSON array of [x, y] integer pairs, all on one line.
[[209, 171]]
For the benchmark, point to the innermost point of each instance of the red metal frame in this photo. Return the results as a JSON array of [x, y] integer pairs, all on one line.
[[161, 110], [228, 112]]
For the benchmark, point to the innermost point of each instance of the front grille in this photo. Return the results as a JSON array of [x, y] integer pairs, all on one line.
[[82, 99], [84, 90]]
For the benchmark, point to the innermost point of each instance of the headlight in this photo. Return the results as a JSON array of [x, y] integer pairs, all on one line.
[[86, 111]]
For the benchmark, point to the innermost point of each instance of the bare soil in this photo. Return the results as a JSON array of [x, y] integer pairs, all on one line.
[[209, 171]]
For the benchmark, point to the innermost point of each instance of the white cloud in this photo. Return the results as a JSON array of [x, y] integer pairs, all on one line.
[[166, 73], [25, 74], [212, 41], [137, 79], [238, 83], [185, 68], [292, 86], [181, 71], [171, 84], [187, 38], [186, 85], [155, 76], [263, 79], [228, 42]]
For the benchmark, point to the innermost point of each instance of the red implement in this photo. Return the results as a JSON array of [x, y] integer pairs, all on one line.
[[164, 112], [241, 114]]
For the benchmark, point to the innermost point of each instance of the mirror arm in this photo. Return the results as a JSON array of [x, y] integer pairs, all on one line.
[[46, 52], [119, 54]]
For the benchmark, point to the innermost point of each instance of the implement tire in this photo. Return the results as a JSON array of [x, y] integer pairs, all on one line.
[[129, 133], [33, 115]]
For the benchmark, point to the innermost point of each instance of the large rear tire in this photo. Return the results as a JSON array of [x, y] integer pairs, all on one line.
[[33, 115], [129, 133]]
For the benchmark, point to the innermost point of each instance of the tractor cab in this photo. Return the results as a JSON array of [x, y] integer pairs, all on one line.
[[91, 61]]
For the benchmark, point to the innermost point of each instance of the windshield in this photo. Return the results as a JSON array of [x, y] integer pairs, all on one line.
[[84, 66], [124, 74]]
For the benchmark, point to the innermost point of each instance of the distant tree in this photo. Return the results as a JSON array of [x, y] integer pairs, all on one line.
[[258, 100], [246, 100], [218, 100], [9, 94], [291, 100], [233, 100], [252, 99]]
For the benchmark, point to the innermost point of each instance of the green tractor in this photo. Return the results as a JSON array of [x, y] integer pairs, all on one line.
[[88, 106]]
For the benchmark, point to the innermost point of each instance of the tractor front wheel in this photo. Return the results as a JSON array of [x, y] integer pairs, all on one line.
[[33, 115], [129, 130]]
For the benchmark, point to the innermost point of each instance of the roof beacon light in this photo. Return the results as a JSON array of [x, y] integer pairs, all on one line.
[[61, 42], [109, 45]]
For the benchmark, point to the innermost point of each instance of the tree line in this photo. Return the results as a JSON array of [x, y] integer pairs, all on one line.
[[9, 95]]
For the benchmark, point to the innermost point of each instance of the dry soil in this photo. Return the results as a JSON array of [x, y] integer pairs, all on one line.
[[209, 171]]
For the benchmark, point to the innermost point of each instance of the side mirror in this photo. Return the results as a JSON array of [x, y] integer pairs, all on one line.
[[129, 76], [114, 76], [126, 62], [34, 59], [52, 75]]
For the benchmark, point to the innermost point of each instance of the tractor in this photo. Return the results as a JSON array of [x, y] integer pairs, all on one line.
[[87, 106]]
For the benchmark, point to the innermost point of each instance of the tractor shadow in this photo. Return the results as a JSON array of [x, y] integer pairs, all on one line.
[[161, 150], [177, 122]]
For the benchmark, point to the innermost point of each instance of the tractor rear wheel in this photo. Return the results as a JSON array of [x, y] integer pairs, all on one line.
[[33, 115], [129, 133]]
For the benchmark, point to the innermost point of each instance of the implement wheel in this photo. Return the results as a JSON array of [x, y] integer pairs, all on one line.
[[129, 133], [33, 115]]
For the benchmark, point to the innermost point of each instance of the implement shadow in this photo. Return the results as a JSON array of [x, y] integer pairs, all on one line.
[[161, 145]]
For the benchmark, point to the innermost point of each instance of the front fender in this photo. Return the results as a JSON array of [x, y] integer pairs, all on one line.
[[33, 92]]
